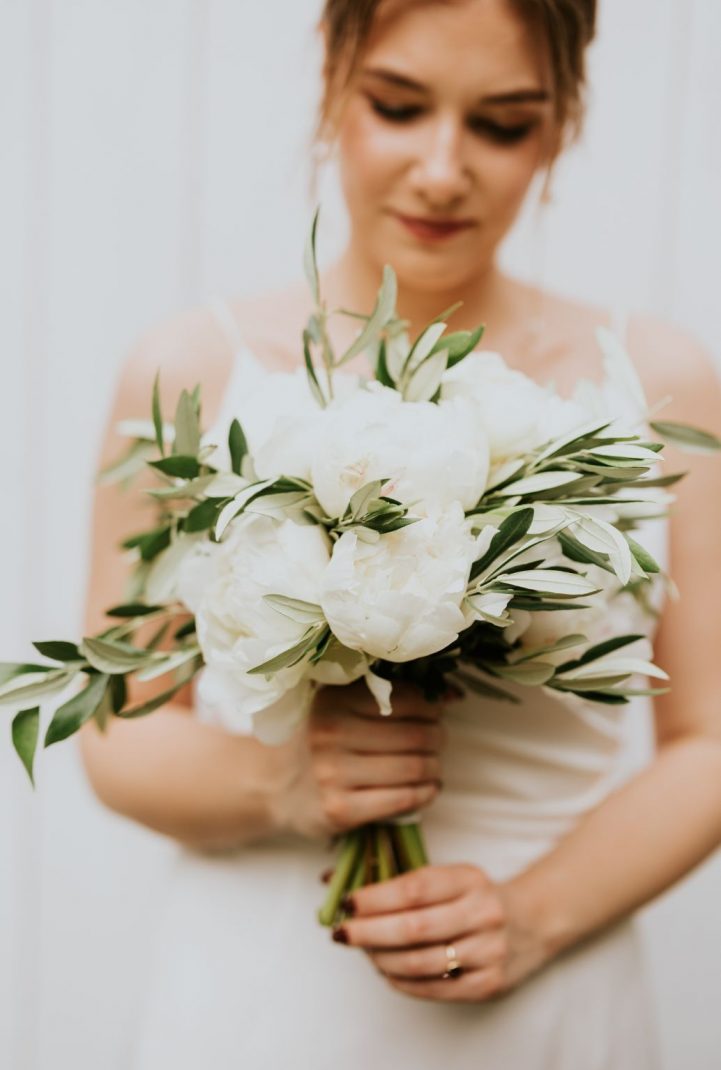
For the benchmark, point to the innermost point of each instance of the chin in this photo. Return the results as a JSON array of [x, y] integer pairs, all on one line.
[[429, 272]]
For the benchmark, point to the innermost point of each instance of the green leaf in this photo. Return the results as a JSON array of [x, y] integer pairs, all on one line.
[[424, 344], [551, 581], [118, 692], [202, 516], [315, 387], [187, 429], [310, 260], [10, 669], [237, 446], [538, 483], [58, 650], [483, 687], [539, 651], [132, 609], [33, 685], [691, 439], [68, 718], [114, 657], [293, 654], [575, 439], [609, 698], [542, 605], [460, 344], [599, 650], [528, 673], [25, 727], [382, 313], [296, 609], [159, 700], [642, 556], [426, 379], [576, 551], [193, 488], [185, 629], [157, 415], [149, 543], [511, 530], [361, 499], [168, 664], [382, 373], [179, 465]]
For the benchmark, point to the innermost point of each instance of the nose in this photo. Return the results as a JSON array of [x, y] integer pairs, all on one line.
[[441, 175]]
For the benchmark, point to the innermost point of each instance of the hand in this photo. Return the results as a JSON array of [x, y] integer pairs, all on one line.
[[353, 765], [406, 923]]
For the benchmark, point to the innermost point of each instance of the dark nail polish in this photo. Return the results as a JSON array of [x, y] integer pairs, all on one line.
[[347, 905], [326, 874], [340, 935]]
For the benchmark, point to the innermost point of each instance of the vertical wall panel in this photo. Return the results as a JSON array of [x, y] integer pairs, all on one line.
[[24, 182]]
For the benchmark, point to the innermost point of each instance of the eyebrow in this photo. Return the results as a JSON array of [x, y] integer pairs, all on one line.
[[517, 96]]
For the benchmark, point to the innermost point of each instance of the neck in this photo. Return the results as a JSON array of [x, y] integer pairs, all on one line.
[[352, 282]]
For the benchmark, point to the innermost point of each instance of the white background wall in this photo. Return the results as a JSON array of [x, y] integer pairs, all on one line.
[[153, 154]]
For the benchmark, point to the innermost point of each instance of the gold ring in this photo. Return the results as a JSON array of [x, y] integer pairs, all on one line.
[[453, 966]]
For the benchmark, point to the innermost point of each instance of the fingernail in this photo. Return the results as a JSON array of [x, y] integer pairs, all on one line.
[[347, 905], [452, 693], [326, 875], [340, 934]]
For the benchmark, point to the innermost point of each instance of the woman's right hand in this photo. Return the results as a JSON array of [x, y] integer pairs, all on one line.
[[350, 765]]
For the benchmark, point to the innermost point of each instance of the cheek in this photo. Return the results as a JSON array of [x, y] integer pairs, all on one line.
[[508, 174], [369, 157]]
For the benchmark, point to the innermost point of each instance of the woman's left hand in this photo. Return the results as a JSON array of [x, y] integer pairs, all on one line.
[[406, 924]]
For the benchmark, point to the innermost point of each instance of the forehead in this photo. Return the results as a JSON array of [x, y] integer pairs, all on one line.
[[471, 46]]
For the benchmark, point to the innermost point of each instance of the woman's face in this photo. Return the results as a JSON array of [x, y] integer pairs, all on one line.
[[448, 119]]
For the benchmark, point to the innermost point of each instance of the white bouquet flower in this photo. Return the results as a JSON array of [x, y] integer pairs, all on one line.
[[446, 521]]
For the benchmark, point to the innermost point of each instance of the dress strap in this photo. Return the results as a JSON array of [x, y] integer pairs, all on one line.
[[619, 317], [227, 322]]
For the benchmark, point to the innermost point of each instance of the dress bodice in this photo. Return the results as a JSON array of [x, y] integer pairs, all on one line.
[[518, 776]]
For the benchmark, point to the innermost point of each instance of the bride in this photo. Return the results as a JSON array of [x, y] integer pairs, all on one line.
[[544, 836]]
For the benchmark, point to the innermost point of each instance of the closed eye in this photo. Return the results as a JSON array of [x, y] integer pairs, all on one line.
[[398, 114], [504, 135]]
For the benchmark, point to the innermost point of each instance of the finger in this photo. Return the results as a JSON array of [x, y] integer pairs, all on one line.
[[350, 770], [474, 952], [406, 700], [364, 736], [363, 805], [473, 987], [419, 888], [429, 925]]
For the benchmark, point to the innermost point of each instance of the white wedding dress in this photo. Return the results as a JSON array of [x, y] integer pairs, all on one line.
[[244, 976]]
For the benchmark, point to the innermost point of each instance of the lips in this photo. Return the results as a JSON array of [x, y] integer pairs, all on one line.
[[432, 229]]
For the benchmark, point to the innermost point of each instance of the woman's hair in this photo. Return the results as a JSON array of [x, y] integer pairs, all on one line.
[[568, 26]]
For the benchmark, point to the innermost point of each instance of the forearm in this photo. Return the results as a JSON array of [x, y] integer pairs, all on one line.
[[189, 780], [638, 842]]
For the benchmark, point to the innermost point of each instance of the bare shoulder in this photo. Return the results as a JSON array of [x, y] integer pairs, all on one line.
[[185, 349], [674, 364], [271, 323]]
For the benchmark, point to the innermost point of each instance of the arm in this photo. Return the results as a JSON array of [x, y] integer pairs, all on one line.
[[638, 841], [668, 817], [168, 770], [196, 782]]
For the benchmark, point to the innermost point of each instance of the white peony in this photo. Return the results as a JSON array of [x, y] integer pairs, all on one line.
[[279, 417], [400, 598], [433, 454], [224, 585], [515, 412]]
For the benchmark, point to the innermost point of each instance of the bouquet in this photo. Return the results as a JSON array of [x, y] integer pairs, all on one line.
[[426, 524]]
